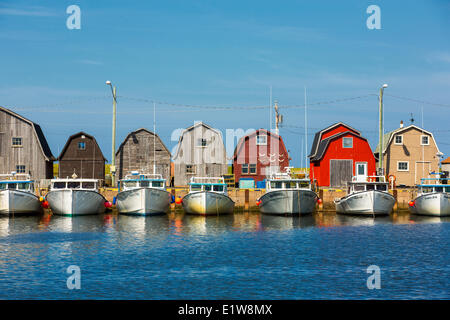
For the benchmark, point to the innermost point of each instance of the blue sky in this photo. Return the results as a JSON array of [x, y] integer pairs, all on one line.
[[225, 54]]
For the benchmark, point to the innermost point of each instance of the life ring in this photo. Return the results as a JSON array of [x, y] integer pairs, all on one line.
[[392, 178]]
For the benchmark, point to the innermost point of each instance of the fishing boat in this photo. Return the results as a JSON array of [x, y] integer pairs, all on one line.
[[433, 198], [17, 195], [368, 196], [207, 196], [75, 197], [143, 194], [286, 196]]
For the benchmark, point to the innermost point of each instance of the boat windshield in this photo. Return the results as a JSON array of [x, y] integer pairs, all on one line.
[[68, 184], [207, 187], [73, 185], [144, 183], [88, 185], [358, 187], [12, 185], [59, 185], [23, 186], [290, 184]]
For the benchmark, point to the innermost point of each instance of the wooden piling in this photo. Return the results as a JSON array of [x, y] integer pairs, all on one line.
[[247, 199]]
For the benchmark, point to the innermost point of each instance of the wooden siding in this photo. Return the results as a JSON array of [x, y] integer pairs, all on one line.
[[88, 163], [341, 171], [30, 154], [421, 159], [209, 160], [136, 153]]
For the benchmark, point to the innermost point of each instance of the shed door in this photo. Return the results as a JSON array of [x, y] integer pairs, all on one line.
[[341, 172]]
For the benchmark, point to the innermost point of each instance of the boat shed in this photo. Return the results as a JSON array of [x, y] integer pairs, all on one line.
[[82, 156], [338, 153], [23, 147], [258, 155], [139, 151], [200, 153]]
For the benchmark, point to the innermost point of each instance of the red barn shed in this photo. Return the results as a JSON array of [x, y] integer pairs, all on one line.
[[258, 154], [338, 153]]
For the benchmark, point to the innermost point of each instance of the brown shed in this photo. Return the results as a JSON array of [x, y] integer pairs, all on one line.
[[82, 155]]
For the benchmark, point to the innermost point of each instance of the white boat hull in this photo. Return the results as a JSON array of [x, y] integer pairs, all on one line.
[[75, 202], [143, 201], [207, 203], [366, 203], [432, 204], [19, 202], [286, 202]]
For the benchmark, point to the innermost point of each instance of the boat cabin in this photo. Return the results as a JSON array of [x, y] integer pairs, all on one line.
[[136, 180], [198, 184], [79, 184], [440, 185], [372, 183], [16, 182], [283, 181]]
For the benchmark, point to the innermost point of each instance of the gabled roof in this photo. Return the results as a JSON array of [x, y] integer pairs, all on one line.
[[318, 136], [323, 145], [241, 142], [139, 130], [196, 124], [387, 138], [39, 134], [77, 135]]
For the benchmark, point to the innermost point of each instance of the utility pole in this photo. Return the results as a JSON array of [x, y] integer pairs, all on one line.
[[113, 158], [380, 153]]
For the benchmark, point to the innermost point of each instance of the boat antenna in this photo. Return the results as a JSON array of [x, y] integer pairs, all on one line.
[[154, 138], [306, 137]]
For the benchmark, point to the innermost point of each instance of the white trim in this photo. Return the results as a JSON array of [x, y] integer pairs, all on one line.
[[403, 170], [406, 128], [261, 143], [421, 140], [395, 137], [343, 145]]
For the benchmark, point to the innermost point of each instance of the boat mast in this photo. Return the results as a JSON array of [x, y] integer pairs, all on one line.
[[306, 137], [380, 152]]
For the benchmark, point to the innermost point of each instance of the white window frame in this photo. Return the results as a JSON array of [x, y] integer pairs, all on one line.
[[194, 169], [20, 171], [343, 145], [250, 166], [403, 170], [84, 144], [401, 138], [258, 143], [200, 143], [246, 165], [421, 140]]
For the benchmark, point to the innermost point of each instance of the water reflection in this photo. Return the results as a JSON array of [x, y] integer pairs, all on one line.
[[4, 226]]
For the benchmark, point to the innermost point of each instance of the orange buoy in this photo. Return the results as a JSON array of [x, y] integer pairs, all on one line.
[[107, 204], [319, 201], [178, 200], [411, 203], [45, 204], [258, 202]]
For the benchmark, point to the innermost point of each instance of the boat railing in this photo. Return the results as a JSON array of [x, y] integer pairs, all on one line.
[[213, 180], [17, 176], [143, 176], [380, 179], [78, 184], [437, 181]]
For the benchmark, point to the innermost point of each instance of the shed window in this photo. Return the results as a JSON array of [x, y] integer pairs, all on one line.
[[190, 169], [245, 168], [347, 142], [20, 169], [261, 140], [398, 139], [253, 168], [16, 142], [425, 141], [403, 166], [201, 142], [81, 145]]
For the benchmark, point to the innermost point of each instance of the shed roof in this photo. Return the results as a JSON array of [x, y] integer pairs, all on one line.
[[37, 130], [242, 140], [323, 145], [318, 136], [139, 130], [77, 135]]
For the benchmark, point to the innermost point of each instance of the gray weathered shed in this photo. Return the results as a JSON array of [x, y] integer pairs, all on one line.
[[138, 152], [23, 147], [200, 153]]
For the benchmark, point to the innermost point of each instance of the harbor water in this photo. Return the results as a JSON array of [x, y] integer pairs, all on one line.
[[239, 256]]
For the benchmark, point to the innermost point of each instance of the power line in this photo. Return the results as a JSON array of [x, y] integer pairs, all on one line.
[[418, 101]]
